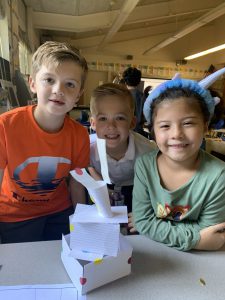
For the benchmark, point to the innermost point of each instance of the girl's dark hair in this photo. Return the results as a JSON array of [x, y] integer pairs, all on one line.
[[176, 93]]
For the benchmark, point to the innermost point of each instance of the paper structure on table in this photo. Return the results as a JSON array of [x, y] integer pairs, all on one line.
[[99, 238], [101, 145], [87, 276], [100, 195], [82, 176], [40, 292], [88, 214], [97, 190], [84, 255]]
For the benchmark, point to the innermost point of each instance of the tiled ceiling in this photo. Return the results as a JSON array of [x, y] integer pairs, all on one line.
[[112, 25]]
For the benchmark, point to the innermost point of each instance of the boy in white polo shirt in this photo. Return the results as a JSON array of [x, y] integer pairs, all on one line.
[[112, 117]]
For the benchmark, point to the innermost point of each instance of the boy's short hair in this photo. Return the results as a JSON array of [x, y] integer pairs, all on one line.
[[110, 89], [52, 52]]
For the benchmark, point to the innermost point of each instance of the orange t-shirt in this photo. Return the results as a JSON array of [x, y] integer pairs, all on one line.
[[36, 164]]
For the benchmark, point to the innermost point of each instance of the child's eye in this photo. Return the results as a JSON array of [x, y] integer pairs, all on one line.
[[102, 119], [164, 126], [48, 80], [120, 118], [188, 123], [70, 85]]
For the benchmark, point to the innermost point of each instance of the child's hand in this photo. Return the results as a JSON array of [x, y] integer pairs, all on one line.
[[130, 223], [212, 237], [94, 174]]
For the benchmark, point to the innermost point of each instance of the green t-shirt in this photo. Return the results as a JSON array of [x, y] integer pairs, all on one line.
[[176, 217]]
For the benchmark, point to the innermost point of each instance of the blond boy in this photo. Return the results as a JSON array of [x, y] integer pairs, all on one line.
[[39, 145], [112, 117]]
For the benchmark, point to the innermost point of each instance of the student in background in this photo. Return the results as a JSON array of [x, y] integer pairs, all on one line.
[[178, 196], [132, 78], [112, 117], [147, 91], [218, 119], [39, 145]]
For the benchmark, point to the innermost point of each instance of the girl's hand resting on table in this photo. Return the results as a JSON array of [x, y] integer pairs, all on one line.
[[212, 237]]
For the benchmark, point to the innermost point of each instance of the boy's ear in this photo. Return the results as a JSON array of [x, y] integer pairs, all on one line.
[[79, 95], [133, 122], [32, 85], [93, 123]]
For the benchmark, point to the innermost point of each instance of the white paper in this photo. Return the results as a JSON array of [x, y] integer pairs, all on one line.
[[100, 238], [100, 197], [97, 190], [82, 176], [96, 273], [84, 255], [88, 214], [101, 145], [40, 292]]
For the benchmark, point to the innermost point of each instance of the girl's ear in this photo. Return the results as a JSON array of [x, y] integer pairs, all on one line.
[[93, 123], [133, 122], [32, 85], [206, 127]]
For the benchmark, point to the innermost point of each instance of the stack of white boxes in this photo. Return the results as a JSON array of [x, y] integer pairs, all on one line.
[[95, 253]]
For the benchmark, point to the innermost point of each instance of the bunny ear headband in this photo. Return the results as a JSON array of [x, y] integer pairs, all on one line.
[[177, 82]]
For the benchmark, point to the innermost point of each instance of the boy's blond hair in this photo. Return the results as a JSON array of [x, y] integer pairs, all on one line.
[[54, 53], [110, 89]]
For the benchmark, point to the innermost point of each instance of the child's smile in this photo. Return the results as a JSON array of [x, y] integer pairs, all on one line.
[[178, 146], [112, 136], [57, 102]]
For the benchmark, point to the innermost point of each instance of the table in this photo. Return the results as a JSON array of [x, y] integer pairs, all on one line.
[[216, 145], [158, 272]]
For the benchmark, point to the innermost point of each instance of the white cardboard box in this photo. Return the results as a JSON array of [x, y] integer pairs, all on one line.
[[87, 276]]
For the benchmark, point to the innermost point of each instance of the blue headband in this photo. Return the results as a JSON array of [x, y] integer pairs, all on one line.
[[178, 83]]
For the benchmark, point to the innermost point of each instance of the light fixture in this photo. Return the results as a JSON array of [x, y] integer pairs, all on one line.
[[211, 50]]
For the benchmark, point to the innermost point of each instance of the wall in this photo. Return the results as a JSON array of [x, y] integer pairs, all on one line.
[[94, 79], [102, 67], [4, 35]]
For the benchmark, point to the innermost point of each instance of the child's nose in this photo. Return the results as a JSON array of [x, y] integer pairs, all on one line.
[[58, 89], [177, 131], [111, 123]]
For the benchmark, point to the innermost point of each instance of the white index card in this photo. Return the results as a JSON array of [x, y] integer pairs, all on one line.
[[97, 238], [88, 214]]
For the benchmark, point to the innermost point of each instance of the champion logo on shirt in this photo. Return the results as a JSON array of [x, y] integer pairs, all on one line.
[[44, 169]]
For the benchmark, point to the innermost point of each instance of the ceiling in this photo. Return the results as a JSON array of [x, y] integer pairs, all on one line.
[[146, 29]]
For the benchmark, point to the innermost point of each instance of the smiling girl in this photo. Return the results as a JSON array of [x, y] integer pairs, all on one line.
[[179, 194]]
